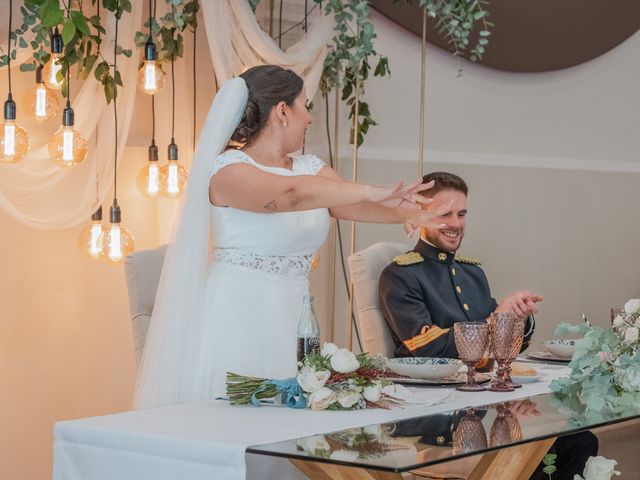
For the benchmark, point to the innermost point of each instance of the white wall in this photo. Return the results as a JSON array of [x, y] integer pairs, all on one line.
[[66, 346], [551, 161]]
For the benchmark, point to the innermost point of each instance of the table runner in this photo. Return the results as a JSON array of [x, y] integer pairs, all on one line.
[[207, 440]]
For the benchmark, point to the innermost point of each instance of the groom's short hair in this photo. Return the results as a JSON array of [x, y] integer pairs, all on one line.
[[444, 181]]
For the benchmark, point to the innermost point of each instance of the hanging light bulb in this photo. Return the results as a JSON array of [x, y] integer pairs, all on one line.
[[151, 78], [54, 65], [173, 175], [91, 238], [149, 177], [14, 140], [40, 102], [67, 147], [118, 242]]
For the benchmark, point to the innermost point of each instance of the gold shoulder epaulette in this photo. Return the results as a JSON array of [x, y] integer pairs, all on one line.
[[408, 258], [468, 259]]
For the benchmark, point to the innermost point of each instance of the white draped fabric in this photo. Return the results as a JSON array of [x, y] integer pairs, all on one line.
[[40, 194]]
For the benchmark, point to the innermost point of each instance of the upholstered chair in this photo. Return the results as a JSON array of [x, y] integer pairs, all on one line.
[[142, 270], [365, 267]]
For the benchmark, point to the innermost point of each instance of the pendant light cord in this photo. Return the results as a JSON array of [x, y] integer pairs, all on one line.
[[9, 45], [68, 68], [115, 108], [151, 13], [173, 99], [280, 25], [153, 119], [152, 16], [194, 87]]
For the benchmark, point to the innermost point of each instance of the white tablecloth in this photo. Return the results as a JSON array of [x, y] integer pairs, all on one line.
[[207, 441]]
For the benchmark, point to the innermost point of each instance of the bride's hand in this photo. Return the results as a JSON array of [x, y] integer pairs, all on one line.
[[426, 218], [401, 195]]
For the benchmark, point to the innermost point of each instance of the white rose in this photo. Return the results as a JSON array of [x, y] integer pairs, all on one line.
[[316, 442], [618, 321], [373, 430], [344, 455], [372, 392], [598, 468], [321, 398], [310, 380], [631, 335], [344, 361], [328, 349], [348, 398], [632, 306]]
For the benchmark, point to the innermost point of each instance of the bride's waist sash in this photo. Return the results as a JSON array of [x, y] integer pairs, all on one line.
[[284, 267]]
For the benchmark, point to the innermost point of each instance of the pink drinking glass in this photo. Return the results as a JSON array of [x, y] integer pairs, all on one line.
[[471, 341]]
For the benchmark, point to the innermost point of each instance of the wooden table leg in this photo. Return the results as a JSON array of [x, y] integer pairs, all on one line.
[[328, 471], [515, 463]]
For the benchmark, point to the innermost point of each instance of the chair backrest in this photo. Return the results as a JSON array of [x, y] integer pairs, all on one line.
[[142, 270], [365, 267]]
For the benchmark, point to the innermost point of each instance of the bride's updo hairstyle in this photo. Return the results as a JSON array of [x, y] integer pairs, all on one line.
[[268, 85]]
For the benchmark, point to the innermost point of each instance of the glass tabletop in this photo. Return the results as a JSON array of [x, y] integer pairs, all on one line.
[[431, 439]]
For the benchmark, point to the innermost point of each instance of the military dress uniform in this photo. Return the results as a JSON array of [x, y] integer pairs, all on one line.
[[425, 291]]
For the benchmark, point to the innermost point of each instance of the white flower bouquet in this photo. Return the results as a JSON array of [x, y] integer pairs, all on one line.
[[605, 368], [334, 379]]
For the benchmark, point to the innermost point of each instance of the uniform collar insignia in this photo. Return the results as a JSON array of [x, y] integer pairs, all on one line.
[[433, 253]]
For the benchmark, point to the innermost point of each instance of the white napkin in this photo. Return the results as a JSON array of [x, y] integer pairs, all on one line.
[[419, 396]]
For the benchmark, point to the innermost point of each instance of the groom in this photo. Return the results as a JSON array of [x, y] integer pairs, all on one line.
[[425, 291]]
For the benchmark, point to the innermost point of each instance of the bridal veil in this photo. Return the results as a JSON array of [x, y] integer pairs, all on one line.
[[171, 347]]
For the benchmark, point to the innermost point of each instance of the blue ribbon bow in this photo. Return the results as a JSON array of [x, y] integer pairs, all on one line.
[[289, 390]]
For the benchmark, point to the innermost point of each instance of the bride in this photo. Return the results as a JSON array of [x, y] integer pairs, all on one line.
[[236, 270]]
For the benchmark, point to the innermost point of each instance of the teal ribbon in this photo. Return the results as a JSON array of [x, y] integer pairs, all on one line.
[[289, 390]]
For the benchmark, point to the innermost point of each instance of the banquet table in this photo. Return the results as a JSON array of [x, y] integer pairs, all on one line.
[[209, 440]]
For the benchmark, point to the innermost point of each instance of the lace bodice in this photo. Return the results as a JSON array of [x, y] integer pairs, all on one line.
[[272, 243]]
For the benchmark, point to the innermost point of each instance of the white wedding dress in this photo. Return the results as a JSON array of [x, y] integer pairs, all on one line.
[[256, 281]]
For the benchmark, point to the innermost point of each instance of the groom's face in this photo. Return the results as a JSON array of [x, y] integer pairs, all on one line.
[[449, 236]]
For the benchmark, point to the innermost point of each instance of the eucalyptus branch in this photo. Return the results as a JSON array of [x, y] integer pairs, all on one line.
[[167, 31]]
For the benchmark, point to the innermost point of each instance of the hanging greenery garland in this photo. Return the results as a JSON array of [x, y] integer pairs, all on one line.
[[81, 36], [347, 66]]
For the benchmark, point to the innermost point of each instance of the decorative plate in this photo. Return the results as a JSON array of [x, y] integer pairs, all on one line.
[[547, 357], [425, 368], [457, 379], [525, 378], [563, 348]]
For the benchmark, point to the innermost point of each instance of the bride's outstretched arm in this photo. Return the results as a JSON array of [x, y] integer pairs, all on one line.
[[246, 187], [393, 211]]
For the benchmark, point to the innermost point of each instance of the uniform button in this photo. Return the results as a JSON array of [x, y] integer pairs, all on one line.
[[453, 271], [458, 289], [442, 256], [466, 307]]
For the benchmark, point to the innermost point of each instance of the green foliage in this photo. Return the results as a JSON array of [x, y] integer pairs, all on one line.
[[605, 374], [347, 65], [254, 4], [81, 36], [167, 31], [549, 462], [456, 20]]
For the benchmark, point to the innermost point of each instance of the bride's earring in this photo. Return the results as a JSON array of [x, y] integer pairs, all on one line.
[[284, 124]]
